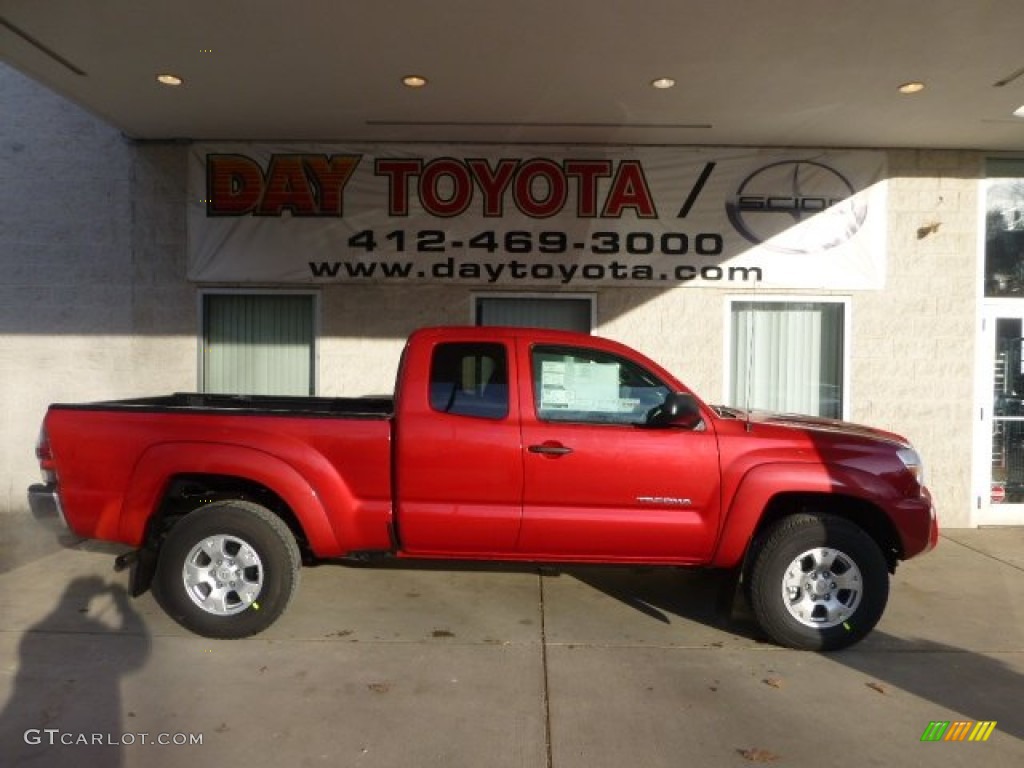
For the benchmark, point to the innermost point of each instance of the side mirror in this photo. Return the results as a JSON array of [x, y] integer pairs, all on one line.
[[679, 410]]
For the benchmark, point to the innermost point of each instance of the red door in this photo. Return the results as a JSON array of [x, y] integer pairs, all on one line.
[[598, 484], [460, 461]]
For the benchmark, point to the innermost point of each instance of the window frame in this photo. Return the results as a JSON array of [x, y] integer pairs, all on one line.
[[777, 298], [476, 297], [567, 350], [203, 293]]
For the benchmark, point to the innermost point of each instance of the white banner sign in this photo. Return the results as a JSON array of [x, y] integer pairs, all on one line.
[[537, 216]]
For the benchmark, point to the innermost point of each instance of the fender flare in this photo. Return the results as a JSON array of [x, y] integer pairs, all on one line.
[[763, 483], [159, 463]]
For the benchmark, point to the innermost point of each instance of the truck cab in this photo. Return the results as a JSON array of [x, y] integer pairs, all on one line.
[[546, 446]]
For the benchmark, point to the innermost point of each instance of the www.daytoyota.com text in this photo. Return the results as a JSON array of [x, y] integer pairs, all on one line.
[[527, 244]]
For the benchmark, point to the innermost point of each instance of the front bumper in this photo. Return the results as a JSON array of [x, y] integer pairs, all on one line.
[[918, 523], [933, 533]]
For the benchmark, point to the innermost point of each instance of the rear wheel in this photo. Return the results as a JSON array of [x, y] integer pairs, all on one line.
[[227, 570], [818, 582]]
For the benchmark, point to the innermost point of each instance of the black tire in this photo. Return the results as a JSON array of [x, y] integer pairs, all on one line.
[[817, 582], [227, 570]]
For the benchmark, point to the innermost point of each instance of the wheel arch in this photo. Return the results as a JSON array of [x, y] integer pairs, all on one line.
[[190, 491], [770, 492], [172, 479], [862, 513]]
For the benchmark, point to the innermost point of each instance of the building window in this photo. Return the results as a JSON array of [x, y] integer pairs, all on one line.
[[564, 313], [258, 344], [1004, 228], [788, 356]]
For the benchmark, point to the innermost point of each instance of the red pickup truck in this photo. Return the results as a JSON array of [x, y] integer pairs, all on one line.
[[504, 444]]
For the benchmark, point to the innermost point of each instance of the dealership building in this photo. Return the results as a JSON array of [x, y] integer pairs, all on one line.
[[881, 286]]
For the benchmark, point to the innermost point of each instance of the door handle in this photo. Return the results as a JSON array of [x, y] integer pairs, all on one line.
[[550, 449]]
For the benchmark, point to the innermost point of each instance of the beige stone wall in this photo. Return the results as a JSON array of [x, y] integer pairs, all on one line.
[[365, 327], [914, 343], [93, 301]]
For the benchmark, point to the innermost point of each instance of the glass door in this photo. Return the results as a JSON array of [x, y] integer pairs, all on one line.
[[999, 482], [1004, 337]]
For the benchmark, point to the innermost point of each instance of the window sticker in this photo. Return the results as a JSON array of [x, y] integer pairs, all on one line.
[[553, 392], [580, 386], [596, 386]]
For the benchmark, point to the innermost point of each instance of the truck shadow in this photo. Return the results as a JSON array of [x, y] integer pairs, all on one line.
[[65, 704], [962, 683], [660, 593], [707, 597]]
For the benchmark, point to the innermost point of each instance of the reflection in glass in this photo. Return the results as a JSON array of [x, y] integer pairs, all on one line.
[[1008, 412], [1004, 238]]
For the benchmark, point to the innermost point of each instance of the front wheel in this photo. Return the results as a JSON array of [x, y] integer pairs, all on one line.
[[227, 570], [818, 582]]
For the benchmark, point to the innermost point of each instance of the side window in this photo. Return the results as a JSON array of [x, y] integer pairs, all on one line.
[[469, 379], [585, 385]]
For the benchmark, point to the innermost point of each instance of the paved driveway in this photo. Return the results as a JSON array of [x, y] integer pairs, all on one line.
[[489, 667]]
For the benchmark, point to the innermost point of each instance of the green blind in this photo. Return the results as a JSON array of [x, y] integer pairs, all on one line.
[[788, 357], [1004, 168], [258, 344], [566, 314]]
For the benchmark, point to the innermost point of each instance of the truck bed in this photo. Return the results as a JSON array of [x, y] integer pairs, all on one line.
[[270, 405]]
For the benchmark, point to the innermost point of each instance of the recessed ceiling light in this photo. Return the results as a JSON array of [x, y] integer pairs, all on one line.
[[1019, 111], [663, 83], [913, 86], [169, 79], [414, 81]]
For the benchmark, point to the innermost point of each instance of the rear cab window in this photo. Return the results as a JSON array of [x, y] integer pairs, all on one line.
[[470, 379]]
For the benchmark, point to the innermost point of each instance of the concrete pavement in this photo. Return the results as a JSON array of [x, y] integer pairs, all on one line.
[[493, 667]]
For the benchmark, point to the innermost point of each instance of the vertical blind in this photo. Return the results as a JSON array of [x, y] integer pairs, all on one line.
[[565, 314], [788, 357], [258, 344]]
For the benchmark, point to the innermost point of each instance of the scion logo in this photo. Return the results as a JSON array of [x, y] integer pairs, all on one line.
[[796, 206]]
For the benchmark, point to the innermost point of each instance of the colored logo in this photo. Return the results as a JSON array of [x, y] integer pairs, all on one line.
[[796, 206], [958, 730]]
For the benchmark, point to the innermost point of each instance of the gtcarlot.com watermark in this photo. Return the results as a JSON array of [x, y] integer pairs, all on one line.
[[55, 737]]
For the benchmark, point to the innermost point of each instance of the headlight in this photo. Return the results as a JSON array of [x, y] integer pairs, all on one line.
[[912, 461]]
